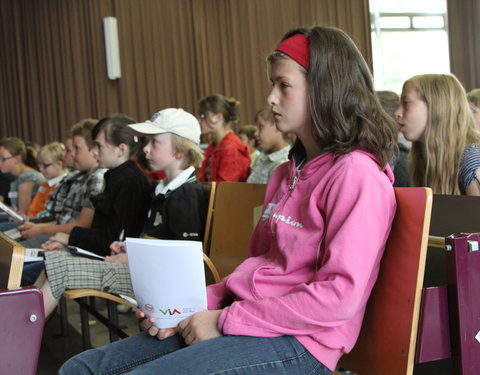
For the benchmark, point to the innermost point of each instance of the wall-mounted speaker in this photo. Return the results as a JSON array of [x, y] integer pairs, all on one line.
[[111, 47]]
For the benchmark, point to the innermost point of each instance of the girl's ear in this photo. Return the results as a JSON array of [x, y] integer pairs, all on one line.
[[122, 149], [216, 118]]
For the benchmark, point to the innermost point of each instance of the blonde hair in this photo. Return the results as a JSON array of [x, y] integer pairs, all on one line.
[[52, 152], [193, 153], [450, 128]]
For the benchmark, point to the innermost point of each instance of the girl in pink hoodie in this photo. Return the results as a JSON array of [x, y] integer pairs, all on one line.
[[297, 303]]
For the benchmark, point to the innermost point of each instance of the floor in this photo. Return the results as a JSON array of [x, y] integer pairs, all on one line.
[[56, 349]]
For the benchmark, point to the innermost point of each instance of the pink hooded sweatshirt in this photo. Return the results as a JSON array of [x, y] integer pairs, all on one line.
[[313, 257]]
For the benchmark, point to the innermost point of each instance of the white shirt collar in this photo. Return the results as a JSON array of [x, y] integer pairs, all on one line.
[[54, 181], [175, 183]]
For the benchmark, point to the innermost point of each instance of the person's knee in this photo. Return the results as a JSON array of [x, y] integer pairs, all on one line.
[[75, 365]]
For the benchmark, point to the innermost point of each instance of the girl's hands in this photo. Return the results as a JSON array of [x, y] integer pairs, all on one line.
[[147, 325], [120, 258], [201, 326], [60, 238], [117, 247], [53, 246], [30, 230]]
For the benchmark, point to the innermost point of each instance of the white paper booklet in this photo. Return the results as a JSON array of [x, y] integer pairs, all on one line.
[[11, 213], [168, 278]]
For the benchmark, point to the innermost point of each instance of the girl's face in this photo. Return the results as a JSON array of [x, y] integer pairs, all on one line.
[[476, 114], [107, 155], [7, 161], [289, 98], [412, 114], [50, 169], [209, 121], [159, 152]]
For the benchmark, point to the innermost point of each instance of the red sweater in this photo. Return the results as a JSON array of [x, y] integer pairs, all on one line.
[[229, 162]]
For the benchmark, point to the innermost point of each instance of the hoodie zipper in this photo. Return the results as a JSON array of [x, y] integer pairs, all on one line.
[[295, 178]]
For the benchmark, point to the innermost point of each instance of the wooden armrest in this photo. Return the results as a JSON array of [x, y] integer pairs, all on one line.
[[435, 241], [211, 267], [85, 292]]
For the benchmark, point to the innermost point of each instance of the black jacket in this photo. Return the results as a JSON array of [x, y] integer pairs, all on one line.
[[179, 214], [123, 205]]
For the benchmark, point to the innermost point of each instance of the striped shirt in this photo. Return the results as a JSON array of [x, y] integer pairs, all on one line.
[[469, 163]]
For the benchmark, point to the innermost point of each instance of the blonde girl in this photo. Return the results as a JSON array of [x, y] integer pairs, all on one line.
[[50, 164], [435, 116]]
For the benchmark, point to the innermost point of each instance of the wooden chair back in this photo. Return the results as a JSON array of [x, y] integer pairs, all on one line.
[[209, 189], [11, 262], [387, 340], [233, 223]]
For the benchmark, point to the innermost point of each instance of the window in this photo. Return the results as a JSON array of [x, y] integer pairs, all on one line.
[[409, 37]]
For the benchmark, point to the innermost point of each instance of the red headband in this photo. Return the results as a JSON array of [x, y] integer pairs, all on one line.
[[297, 47]]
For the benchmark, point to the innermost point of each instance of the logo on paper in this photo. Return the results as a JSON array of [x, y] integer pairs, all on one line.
[[149, 308], [169, 311]]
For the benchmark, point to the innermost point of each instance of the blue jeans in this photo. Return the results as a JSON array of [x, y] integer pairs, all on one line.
[[31, 271], [143, 354], [7, 225]]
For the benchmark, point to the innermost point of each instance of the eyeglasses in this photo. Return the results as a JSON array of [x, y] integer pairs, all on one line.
[[2, 158], [44, 166]]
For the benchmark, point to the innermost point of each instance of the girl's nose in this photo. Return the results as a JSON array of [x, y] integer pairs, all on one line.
[[271, 99], [398, 112]]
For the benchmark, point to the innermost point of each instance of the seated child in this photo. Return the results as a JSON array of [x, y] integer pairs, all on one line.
[[177, 212], [13, 159], [50, 163], [274, 145], [77, 208], [124, 202], [248, 135], [227, 158], [474, 101]]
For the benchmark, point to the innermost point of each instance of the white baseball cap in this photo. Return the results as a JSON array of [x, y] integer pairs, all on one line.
[[171, 120]]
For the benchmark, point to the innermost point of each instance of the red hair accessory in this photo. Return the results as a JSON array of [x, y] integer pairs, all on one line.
[[297, 47]]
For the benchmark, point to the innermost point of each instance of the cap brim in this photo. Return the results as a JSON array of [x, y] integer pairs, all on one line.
[[146, 128]]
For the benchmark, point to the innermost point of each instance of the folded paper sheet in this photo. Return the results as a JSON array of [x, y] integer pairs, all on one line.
[[168, 278]]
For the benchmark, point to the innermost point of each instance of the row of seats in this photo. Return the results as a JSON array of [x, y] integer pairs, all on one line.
[[389, 334]]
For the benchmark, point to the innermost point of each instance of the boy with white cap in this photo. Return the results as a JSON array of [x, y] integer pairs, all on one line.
[[177, 212]]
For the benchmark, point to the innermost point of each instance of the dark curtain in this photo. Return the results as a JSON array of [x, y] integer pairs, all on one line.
[[173, 52], [463, 32]]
